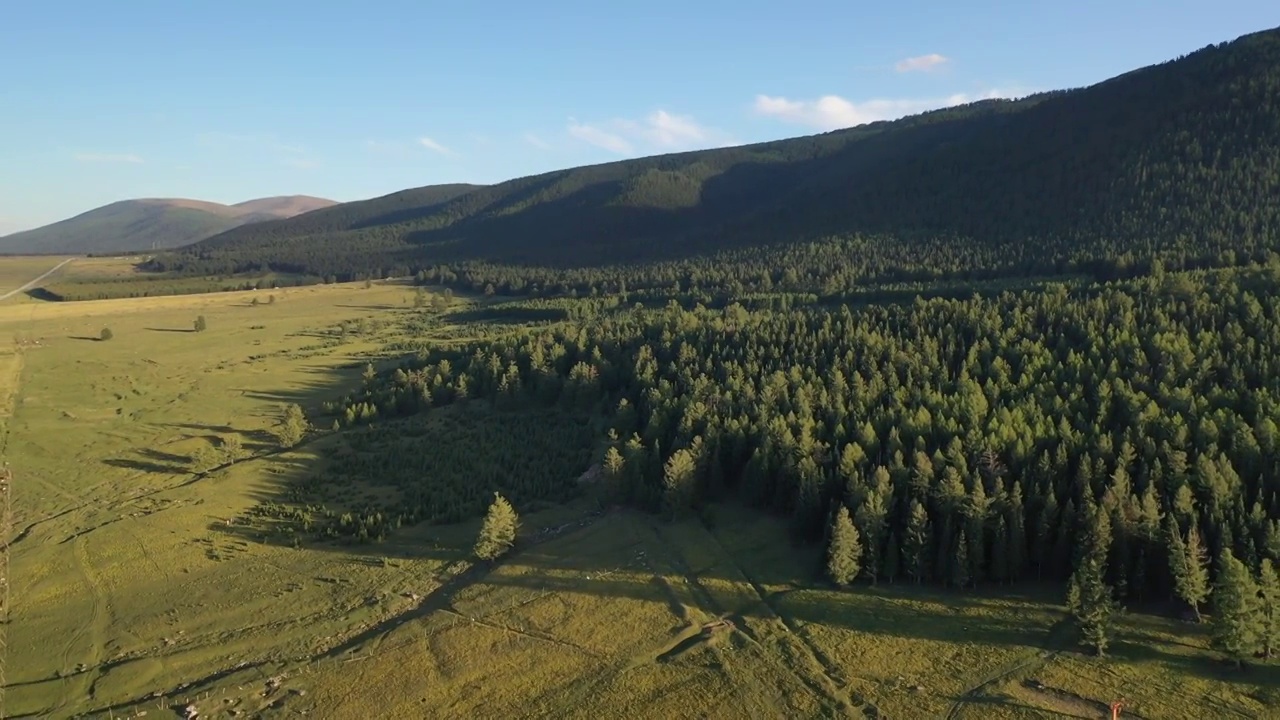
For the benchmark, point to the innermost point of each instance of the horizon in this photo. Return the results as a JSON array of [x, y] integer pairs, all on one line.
[[151, 105]]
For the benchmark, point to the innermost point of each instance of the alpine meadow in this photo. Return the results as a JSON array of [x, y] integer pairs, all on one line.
[[973, 413]]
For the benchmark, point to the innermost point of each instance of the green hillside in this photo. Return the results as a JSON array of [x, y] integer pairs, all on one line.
[[147, 224], [1177, 161]]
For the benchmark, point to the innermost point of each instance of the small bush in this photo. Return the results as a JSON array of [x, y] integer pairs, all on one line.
[[106, 334]]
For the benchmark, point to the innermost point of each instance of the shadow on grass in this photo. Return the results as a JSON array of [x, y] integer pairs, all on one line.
[[84, 337], [146, 466], [171, 330]]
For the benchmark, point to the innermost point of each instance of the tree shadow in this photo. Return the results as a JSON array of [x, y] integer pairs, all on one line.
[[171, 330], [84, 337], [147, 466], [162, 456]]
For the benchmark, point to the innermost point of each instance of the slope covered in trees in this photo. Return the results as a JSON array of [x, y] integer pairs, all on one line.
[[1177, 161]]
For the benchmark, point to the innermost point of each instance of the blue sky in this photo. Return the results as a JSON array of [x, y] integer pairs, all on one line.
[[232, 100]]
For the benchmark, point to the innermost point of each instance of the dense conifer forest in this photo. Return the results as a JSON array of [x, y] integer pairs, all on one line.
[[1131, 427]]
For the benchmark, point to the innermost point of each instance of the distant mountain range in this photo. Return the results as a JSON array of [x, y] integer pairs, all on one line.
[[153, 223]]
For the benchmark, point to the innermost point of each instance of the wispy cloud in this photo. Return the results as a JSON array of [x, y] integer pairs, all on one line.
[[922, 63], [600, 138], [832, 112], [434, 146], [266, 145], [108, 158], [536, 141], [659, 131]]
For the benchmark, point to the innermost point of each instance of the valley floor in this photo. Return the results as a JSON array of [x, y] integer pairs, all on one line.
[[138, 585]]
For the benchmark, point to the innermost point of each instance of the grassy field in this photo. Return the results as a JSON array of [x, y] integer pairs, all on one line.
[[140, 584], [99, 278], [16, 271]]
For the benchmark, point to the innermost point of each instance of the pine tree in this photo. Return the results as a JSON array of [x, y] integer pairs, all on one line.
[[915, 544], [498, 531], [1237, 622], [614, 467], [844, 553], [1269, 599], [292, 426], [678, 478], [870, 521], [1191, 571], [200, 324], [1089, 598]]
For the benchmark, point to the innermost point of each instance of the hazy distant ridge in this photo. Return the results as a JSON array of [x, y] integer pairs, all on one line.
[[153, 223]]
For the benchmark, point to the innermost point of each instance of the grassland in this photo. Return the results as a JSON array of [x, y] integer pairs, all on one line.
[[139, 582], [17, 271], [102, 278]]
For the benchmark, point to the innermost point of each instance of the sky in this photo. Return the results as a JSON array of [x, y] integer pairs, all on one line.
[[237, 99]]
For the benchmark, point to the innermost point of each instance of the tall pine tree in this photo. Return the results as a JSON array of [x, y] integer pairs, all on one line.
[[1236, 619], [1089, 598], [844, 553], [1189, 564], [498, 531]]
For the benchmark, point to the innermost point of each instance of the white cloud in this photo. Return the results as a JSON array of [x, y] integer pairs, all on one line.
[[832, 112], [922, 63], [434, 146], [536, 141], [600, 138], [108, 158], [660, 131]]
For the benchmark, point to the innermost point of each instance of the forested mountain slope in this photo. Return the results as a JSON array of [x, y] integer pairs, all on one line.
[[150, 223], [1179, 160]]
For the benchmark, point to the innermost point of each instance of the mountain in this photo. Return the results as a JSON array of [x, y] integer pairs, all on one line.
[[153, 223], [1179, 161]]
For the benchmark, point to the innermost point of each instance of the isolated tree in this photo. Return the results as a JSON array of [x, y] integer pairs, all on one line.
[[419, 298], [232, 448], [368, 283], [204, 457], [498, 531], [1189, 565], [844, 551], [200, 324], [292, 426], [271, 299], [1089, 598], [1269, 608], [255, 302], [1237, 621], [106, 334]]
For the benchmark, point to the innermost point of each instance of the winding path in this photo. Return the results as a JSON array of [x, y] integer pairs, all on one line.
[[31, 283]]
